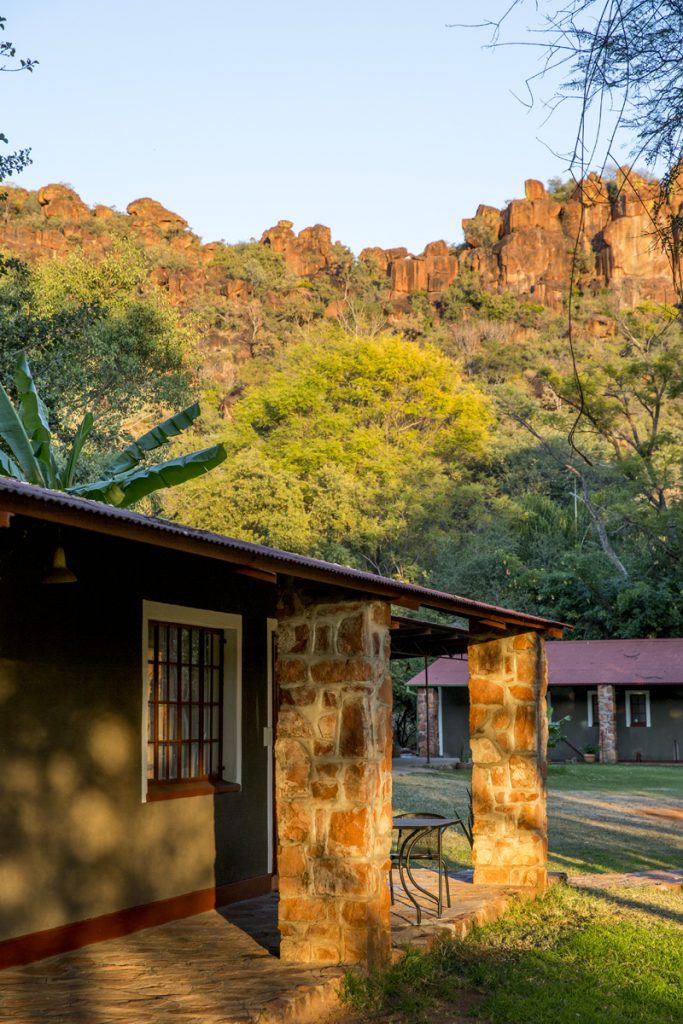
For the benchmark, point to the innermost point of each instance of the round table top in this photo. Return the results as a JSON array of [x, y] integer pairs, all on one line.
[[425, 822]]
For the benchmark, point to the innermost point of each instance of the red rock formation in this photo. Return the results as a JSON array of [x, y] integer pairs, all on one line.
[[151, 213], [306, 253], [61, 201], [612, 229]]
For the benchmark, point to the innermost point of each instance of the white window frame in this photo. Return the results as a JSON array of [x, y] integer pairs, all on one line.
[[232, 678], [589, 698], [648, 719]]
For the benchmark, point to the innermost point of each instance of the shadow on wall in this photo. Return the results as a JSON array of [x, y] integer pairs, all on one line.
[[73, 841]]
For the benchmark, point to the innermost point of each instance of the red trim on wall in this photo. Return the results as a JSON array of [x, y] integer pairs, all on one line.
[[24, 949]]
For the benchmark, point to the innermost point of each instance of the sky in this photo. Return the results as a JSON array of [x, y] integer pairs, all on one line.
[[372, 117]]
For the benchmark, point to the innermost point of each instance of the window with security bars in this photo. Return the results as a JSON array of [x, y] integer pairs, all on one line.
[[185, 702], [637, 708]]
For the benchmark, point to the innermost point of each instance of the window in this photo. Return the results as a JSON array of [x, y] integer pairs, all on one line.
[[190, 702], [185, 702], [593, 714], [638, 708]]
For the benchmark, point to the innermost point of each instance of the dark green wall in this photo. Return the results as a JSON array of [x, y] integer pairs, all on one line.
[[76, 840], [655, 743], [455, 721]]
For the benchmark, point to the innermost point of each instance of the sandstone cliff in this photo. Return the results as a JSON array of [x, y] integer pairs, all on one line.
[[526, 249]]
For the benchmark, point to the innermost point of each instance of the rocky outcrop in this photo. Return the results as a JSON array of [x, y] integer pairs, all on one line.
[[62, 202], [150, 213], [606, 234], [306, 253], [603, 232], [432, 272]]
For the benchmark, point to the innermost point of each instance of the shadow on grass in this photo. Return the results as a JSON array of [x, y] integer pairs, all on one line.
[[572, 956], [616, 899]]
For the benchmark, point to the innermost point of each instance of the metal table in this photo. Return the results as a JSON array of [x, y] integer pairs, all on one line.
[[410, 832]]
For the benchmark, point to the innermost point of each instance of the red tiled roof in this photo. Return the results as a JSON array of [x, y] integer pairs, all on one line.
[[587, 663]]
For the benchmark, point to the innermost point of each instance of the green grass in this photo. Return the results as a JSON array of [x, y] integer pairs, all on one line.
[[594, 824], [613, 957]]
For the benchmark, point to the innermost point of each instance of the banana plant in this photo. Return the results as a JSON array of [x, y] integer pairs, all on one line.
[[25, 431]]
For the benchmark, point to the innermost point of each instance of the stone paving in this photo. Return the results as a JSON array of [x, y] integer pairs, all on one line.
[[215, 968], [201, 970]]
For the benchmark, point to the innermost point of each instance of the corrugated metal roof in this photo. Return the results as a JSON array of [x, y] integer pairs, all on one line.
[[38, 502], [587, 663]]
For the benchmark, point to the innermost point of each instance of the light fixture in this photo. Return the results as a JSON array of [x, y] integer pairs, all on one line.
[[60, 573]]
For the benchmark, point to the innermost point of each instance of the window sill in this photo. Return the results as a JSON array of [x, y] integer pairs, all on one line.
[[177, 790]]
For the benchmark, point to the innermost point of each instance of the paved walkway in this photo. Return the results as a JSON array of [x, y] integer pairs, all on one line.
[[216, 968], [201, 970], [662, 879]]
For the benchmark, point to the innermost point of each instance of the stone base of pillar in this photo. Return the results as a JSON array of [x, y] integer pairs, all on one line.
[[333, 780], [508, 737], [434, 739], [607, 721]]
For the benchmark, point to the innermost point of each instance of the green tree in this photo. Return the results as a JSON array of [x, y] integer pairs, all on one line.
[[361, 444], [29, 454], [98, 336]]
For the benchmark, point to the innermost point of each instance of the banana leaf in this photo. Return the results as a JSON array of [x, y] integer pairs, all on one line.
[[123, 490], [17, 440], [33, 415], [154, 438], [8, 467], [79, 440]]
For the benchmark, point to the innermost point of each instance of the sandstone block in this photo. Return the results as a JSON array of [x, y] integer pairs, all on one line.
[[348, 671], [361, 782], [525, 728], [524, 772], [325, 790], [355, 736], [485, 658], [292, 639], [522, 692], [528, 667], [339, 877], [484, 752], [484, 691], [349, 832], [322, 643], [292, 722], [298, 696], [290, 670], [327, 726], [351, 637], [305, 908], [291, 861]]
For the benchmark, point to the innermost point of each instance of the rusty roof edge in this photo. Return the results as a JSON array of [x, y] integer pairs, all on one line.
[[28, 499]]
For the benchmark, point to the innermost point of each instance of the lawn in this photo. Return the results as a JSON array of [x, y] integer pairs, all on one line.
[[600, 817], [613, 957]]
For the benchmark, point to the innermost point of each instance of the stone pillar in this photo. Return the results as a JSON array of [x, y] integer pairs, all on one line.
[[333, 779], [434, 698], [508, 736], [607, 721]]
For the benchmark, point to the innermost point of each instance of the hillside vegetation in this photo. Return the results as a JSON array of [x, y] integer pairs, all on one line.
[[439, 433]]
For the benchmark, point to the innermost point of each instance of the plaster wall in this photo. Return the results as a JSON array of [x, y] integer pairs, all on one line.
[[76, 840]]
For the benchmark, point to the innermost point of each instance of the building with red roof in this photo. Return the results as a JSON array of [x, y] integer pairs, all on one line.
[[634, 686]]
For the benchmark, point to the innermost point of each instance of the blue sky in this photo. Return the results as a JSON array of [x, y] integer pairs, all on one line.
[[371, 117]]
